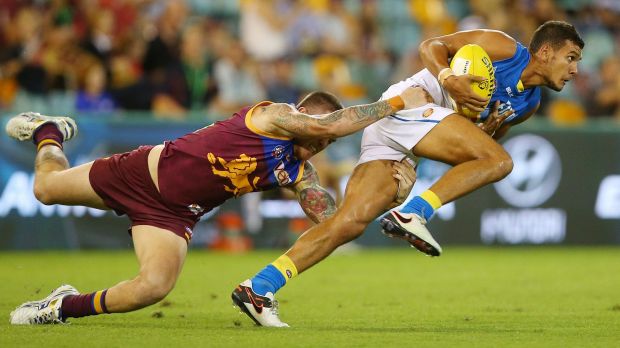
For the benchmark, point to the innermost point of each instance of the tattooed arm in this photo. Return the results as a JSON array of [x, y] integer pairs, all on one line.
[[282, 119], [315, 201], [334, 125]]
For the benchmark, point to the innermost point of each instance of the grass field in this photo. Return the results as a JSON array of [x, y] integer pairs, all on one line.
[[470, 297]]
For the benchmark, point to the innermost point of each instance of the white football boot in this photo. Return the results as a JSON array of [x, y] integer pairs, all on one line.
[[410, 227], [262, 309], [23, 126], [45, 311]]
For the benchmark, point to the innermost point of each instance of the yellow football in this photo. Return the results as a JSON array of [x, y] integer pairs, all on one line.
[[472, 59]]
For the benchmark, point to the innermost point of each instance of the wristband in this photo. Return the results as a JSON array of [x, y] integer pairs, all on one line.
[[443, 75], [396, 103]]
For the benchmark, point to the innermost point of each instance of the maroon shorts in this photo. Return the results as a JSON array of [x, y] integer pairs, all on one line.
[[125, 185]]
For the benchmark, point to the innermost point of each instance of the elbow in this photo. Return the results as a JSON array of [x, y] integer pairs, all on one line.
[[423, 45], [42, 194]]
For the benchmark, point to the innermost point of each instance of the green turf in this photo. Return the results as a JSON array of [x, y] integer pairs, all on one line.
[[471, 297]]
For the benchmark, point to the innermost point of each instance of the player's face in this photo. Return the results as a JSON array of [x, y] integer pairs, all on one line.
[[305, 149], [563, 65]]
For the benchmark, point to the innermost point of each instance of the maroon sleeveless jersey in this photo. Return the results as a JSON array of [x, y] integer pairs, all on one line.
[[201, 170]]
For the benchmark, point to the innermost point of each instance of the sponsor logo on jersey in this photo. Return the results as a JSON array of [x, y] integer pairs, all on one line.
[[503, 107], [281, 174], [427, 112], [278, 151]]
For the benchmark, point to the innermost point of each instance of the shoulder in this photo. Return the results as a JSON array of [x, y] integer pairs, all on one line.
[[499, 37], [498, 44], [272, 112], [268, 117], [280, 107]]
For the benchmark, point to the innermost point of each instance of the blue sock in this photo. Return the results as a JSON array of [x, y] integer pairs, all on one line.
[[269, 279], [419, 206]]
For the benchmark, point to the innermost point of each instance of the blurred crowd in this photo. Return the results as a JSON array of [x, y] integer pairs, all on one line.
[[203, 60]]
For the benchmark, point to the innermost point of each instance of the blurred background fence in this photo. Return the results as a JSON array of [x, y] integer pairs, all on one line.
[[141, 71]]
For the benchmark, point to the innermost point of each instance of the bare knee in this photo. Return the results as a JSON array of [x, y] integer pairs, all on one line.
[[505, 166], [152, 289], [500, 164], [43, 193], [346, 229], [352, 218]]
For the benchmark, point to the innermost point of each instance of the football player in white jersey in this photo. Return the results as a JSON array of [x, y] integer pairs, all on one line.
[[432, 131]]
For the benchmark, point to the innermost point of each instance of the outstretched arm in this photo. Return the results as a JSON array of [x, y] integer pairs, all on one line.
[[314, 199], [284, 120], [336, 124]]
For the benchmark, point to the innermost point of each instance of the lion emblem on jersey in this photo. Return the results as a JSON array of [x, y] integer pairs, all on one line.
[[237, 171]]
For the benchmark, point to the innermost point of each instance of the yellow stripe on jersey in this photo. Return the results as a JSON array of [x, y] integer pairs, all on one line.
[[252, 127], [520, 87], [301, 172]]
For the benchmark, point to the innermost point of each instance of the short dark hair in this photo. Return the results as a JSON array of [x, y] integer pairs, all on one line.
[[320, 99], [555, 33]]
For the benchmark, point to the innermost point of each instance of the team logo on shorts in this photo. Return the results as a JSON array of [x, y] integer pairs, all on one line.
[[427, 112], [195, 208], [278, 151], [281, 175]]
